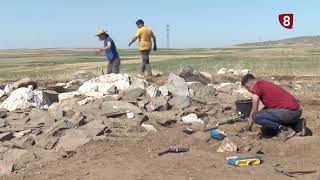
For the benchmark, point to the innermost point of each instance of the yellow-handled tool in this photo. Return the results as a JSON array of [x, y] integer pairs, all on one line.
[[243, 161]]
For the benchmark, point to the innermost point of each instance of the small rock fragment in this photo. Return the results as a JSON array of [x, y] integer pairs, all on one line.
[[149, 127], [5, 168], [24, 83], [163, 91], [191, 118], [8, 89], [6, 136], [130, 115], [68, 95], [180, 102], [222, 71], [190, 75], [153, 91], [143, 103], [94, 128], [164, 118], [3, 122], [138, 83], [228, 146], [21, 133], [85, 101], [2, 93], [73, 139], [133, 94], [26, 142], [3, 113]]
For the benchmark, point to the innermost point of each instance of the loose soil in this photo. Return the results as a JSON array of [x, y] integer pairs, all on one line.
[[137, 159]]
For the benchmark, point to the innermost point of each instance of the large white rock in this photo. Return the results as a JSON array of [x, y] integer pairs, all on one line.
[[177, 86], [24, 98], [88, 87], [68, 95], [104, 83]]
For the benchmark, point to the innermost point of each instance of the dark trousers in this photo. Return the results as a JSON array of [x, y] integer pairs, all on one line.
[[113, 66], [273, 118], [145, 59]]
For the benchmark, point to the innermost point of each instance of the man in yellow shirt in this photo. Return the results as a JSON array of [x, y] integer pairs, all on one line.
[[144, 34]]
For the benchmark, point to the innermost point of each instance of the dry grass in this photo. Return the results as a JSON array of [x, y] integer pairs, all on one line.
[[263, 60]]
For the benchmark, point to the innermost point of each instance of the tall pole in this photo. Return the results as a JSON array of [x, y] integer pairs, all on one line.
[[168, 36]]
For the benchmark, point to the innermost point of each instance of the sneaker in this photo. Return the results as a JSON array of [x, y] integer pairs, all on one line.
[[300, 127], [285, 132]]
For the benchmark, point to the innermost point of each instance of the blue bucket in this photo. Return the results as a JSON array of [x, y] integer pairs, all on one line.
[[217, 134]]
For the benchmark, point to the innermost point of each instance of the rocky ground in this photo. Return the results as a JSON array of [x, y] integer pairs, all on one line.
[[114, 126]]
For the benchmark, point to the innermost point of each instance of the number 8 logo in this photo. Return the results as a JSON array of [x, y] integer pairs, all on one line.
[[286, 20]]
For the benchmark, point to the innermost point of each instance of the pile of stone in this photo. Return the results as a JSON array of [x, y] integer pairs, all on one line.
[[48, 123]]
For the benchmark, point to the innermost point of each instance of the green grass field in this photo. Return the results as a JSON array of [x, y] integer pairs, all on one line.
[[64, 63]]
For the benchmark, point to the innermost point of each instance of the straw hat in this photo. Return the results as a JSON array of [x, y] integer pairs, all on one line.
[[100, 31]]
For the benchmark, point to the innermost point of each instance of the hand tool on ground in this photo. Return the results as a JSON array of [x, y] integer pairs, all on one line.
[[230, 120], [174, 149], [243, 161]]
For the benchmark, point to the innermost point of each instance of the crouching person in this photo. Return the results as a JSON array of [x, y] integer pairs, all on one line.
[[282, 111], [110, 49]]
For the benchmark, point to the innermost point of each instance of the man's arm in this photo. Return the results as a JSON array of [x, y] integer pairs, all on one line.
[[255, 105], [133, 40], [108, 46], [154, 42]]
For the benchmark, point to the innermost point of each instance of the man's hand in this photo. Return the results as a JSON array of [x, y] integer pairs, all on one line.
[[133, 40], [255, 105], [155, 48], [245, 128], [99, 50], [250, 122]]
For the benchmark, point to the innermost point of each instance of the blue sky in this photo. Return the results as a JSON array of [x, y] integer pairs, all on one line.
[[194, 24]]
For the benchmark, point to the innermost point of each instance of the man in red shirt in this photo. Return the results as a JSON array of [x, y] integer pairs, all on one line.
[[281, 112]]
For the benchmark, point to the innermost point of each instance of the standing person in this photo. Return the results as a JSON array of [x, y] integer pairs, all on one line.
[[282, 111], [111, 52], [144, 34]]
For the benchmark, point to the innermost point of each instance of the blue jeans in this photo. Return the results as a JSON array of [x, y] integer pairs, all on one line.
[[273, 118]]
